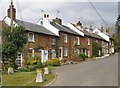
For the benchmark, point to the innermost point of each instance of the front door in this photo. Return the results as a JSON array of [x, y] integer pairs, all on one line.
[[43, 55]]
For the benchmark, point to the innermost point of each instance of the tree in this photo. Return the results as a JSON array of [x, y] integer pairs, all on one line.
[[13, 41], [116, 36], [95, 49]]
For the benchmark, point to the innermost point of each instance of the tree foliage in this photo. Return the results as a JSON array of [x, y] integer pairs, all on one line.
[[13, 41], [95, 49], [116, 36]]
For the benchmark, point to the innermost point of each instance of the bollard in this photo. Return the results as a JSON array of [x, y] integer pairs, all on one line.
[[46, 71], [39, 77], [10, 70]]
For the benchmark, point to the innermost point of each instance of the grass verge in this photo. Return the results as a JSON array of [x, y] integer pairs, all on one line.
[[21, 78]]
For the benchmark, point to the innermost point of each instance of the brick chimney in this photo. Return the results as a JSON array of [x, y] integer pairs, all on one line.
[[57, 20], [13, 11]]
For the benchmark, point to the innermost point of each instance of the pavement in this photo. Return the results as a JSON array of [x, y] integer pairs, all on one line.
[[100, 72]]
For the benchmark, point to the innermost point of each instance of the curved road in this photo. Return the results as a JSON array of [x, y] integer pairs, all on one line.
[[102, 72]]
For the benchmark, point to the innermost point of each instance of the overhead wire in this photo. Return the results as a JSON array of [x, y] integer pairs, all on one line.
[[98, 13]]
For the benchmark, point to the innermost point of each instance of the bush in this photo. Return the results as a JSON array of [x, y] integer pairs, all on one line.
[[32, 67], [83, 56], [49, 62], [24, 69], [56, 62], [39, 64]]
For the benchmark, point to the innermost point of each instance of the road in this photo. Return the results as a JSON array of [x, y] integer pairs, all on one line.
[[102, 72]]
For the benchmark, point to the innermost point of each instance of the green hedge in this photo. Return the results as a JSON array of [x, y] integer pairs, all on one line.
[[83, 56]]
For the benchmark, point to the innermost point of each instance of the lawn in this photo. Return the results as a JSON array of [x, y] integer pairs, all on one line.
[[21, 78]]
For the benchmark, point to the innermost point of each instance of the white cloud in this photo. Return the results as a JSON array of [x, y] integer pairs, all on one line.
[[69, 11]]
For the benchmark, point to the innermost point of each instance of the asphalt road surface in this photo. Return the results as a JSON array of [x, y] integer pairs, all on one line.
[[101, 72]]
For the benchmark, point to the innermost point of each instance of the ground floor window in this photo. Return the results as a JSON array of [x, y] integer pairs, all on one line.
[[65, 51], [31, 52], [53, 54]]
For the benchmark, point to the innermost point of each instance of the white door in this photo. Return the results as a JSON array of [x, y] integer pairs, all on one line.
[[60, 53], [43, 55]]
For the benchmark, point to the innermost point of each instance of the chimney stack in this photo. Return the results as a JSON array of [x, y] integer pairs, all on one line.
[[13, 11], [102, 30], [57, 20]]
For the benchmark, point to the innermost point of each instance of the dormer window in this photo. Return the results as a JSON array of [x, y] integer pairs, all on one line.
[[65, 38], [31, 37]]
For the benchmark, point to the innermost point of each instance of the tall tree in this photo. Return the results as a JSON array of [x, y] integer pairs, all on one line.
[[116, 36], [95, 49], [13, 41]]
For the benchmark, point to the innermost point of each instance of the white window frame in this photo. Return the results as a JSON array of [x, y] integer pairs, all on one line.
[[78, 41], [31, 40], [65, 51], [65, 38], [53, 41], [53, 53], [32, 51], [88, 41]]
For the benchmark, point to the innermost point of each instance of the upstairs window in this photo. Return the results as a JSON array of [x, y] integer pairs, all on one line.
[[65, 38], [78, 41], [53, 41], [88, 41], [31, 37]]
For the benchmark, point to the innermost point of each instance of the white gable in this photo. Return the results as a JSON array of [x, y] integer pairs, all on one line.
[[75, 29], [7, 20], [104, 36], [47, 25]]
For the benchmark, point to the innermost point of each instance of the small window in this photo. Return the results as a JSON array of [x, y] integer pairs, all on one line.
[[65, 51], [96, 41], [31, 52], [31, 37], [88, 41], [78, 41], [53, 54], [65, 38], [53, 41]]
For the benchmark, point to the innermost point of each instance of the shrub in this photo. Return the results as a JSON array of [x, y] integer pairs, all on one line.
[[24, 69], [63, 60], [32, 67], [56, 62], [39, 64], [49, 62], [27, 62], [95, 49], [83, 56]]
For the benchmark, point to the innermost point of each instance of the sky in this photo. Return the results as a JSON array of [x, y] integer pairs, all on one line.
[[70, 11]]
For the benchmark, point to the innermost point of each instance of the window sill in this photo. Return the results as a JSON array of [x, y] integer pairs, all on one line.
[[31, 41]]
